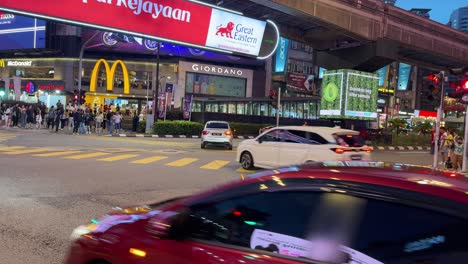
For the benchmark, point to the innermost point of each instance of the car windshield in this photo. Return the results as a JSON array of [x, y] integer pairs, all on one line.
[[217, 125], [347, 140]]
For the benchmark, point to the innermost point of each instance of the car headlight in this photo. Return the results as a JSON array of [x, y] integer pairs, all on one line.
[[83, 230]]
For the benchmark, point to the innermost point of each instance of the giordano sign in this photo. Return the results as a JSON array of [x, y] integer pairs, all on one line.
[[110, 73]]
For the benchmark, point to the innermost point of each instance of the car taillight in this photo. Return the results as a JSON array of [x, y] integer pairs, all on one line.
[[205, 132], [368, 150], [338, 150], [228, 133]]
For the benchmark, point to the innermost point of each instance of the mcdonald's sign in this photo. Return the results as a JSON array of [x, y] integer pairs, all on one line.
[[2, 63], [110, 72]]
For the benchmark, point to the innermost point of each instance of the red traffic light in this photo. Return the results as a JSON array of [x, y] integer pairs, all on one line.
[[464, 84], [76, 96], [434, 78]]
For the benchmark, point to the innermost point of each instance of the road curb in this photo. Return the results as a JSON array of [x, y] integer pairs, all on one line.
[[400, 148], [169, 136]]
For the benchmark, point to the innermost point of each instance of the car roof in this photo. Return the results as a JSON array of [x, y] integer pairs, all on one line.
[[320, 129], [445, 184]]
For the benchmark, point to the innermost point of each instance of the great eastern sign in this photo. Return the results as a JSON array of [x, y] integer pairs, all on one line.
[[191, 23]]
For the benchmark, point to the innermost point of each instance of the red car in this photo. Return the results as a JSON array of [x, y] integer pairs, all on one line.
[[329, 212]]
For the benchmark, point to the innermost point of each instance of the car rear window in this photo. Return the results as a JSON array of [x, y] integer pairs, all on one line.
[[217, 125], [348, 140]]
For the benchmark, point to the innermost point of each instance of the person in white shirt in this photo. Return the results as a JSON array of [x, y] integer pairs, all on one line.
[[117, 118]]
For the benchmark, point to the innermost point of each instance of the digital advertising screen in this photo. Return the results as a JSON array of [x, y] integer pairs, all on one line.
[[20, 32], [404, 71], [281, 55], [103, 41], [207, 84], [349, 94]]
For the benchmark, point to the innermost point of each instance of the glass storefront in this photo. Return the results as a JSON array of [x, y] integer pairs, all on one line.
[[297, 109], [207, 84]]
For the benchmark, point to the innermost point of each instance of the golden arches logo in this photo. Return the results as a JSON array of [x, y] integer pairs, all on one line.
[[2, 63], [110, 72]]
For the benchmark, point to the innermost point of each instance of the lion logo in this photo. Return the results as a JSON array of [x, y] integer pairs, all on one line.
[[225, 31]]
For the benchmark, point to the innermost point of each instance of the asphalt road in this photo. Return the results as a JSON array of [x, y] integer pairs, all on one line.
[[51, 183]]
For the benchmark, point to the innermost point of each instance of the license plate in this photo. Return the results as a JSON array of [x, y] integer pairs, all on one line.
[[216, 134], [356, 157]]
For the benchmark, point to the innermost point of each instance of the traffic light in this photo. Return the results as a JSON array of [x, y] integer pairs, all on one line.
[[435, 78], [75, 96], [82, 97], [273, 98]]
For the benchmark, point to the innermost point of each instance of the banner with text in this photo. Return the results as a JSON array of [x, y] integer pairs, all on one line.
[[349, 94], [187, 106], [177, 21]]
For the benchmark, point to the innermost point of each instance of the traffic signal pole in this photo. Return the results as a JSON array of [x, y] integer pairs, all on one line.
[[439, 118], [278, 105], [465, 141]]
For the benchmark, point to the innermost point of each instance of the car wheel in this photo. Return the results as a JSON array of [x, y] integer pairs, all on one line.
[[246, 161], [203, 145]]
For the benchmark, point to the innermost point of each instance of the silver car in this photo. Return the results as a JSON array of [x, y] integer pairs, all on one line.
[[217, 133]]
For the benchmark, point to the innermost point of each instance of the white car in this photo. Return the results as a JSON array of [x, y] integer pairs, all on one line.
[[294, 145], [217, 133]]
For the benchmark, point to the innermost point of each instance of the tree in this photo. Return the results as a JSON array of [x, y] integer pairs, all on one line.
[[397, 125], [423, 127]]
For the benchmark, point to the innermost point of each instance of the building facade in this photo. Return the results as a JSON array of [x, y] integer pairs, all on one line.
[[459, 19]]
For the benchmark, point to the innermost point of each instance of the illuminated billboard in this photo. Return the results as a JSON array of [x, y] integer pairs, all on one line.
[[281, 55], [192, 23], [404, 71], [104, 41], [19, 32], [349, 94]]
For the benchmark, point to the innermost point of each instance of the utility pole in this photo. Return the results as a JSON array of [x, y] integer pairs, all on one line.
[[278, 105], [156, 91], [439, 118], [80, 63]]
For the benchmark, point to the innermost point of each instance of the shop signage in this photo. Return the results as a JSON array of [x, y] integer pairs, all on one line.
[[192, 23], [110, 73], [2, 63], [299, 82], [13, 63], [281, 55], [40, 86], [216, 69]]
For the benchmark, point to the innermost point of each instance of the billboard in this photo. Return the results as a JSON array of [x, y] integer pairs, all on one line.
[[281, 55], [207, 84], [19, 32], [404, 71], [105, 41], [192, 23], [349, 94]]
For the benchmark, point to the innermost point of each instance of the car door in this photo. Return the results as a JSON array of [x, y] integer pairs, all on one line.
[[257, 228], [300, 146], [265, 150]]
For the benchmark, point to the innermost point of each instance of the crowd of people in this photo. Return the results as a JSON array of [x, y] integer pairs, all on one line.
[[450, 148], [84, 119]]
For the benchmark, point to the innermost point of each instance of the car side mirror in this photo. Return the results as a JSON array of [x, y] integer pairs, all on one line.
[[167, 225], [260, 140]]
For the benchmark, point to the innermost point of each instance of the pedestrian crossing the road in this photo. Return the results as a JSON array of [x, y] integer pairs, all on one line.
[[134, 158]]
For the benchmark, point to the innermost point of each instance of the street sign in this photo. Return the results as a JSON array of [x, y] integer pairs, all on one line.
[[191, 23]]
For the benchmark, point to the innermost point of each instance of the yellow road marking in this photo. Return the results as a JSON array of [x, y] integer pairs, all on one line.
[[26, 151], [149, 160], [12, 148], [57, 153], [215, 165], [181, 162], [89, 155], [119, 157], [242, 170]]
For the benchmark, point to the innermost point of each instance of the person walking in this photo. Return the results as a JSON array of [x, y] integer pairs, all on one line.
[[51, 118], [15, 115], [58, 117], [458, 148], [38, 119], [30, 117], [76, 121], [110, 117], [135, 122], [99, 120], [23, 117], [117, 120], [7, 116]]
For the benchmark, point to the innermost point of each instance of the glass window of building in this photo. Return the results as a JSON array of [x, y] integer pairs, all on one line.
[[206, 84], [33, 72], [223, 108], [300, 110], [232, 108], [241, 108]]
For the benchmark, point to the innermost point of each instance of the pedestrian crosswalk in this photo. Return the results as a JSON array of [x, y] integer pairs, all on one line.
[[6, 136], [134, 158]]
